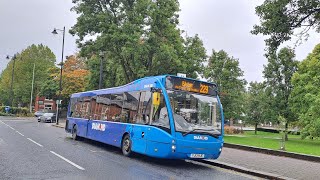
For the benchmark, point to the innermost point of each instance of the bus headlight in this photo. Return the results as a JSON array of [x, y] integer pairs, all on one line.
[[173, 147], [220, 150]]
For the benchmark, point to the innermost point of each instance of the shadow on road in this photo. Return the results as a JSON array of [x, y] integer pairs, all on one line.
[[176, 163]]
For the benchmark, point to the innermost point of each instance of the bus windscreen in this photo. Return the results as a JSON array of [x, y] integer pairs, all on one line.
[[190, 85]]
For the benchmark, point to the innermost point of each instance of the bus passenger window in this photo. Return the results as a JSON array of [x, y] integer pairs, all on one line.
[[130, 106], [77, 110], [72, 107], [85, 108], [102, 107], [115, 107]]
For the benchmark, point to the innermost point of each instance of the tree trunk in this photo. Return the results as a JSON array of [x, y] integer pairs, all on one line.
[[286, 132], [255, 128]]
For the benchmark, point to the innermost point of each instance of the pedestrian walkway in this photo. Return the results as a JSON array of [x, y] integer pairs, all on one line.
[[283, 166], [62, 123]]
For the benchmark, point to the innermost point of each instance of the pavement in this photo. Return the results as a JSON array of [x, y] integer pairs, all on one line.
[[62, 123], [284, 167], [264, 164], [32, 150]]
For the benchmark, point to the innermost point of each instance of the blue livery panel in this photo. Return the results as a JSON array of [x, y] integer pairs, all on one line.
[[149, 140]]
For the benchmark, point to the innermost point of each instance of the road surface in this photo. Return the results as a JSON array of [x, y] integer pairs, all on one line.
[[32, 150]]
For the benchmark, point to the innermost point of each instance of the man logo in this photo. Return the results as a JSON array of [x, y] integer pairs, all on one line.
[[98, 126], [203, 138]]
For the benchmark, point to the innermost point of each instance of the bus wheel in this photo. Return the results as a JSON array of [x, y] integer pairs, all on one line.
[[74, 133], [126, 146]]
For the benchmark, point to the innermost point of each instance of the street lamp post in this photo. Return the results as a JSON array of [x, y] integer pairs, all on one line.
[[34, 66], [12, 75], [101, 69], [61, 65]]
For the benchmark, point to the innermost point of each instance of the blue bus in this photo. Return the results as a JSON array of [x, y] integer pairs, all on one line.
[[160, 116]]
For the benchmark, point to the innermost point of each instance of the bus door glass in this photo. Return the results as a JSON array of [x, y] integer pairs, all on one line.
[[82, 111], [160, 116], [142, 118]]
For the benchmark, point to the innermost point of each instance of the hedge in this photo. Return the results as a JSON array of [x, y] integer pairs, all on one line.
[[15, 110]]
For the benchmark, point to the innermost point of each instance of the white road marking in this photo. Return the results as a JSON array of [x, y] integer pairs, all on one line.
[[11, 127], [68, 161], [34, 142], [20, 133]]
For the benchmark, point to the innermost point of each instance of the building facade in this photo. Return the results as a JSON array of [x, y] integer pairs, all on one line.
[[44, 103]]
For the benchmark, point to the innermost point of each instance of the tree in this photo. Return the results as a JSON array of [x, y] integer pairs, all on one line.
[[50, 87], [305, 96], [194, 56], [226, 73], [42, 57], [112, 73], [140, 37], [257, 105], [280, 18], [278, 73], [74, 73]]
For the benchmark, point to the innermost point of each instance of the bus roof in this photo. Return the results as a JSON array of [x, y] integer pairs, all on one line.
[[139, 84]]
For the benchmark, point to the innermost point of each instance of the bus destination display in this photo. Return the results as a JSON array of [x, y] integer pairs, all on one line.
[[190, 85]]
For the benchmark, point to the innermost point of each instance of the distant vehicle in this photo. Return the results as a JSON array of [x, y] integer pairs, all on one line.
[[38, 113], [162, 116], [47, 117], [7, 109]]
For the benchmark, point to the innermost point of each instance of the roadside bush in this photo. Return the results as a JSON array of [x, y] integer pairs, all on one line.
[[232, 130], [14, 110]]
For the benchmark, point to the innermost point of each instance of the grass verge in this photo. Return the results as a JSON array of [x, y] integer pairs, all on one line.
[[272, 141]]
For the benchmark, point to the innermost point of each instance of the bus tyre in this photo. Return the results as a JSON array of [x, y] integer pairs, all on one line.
[[74, 133], [126, 145]]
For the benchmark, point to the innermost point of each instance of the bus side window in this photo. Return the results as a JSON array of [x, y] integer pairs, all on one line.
[[130, 106], [85, 108], [115, 111], [72, 106], [77, 108]]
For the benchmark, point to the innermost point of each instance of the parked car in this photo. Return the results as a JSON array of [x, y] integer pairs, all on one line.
[[39, 113], [47, 117]]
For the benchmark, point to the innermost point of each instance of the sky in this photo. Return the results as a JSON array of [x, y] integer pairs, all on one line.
[[222, 25]]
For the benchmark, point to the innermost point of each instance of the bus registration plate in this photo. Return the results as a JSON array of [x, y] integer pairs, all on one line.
[[197, 155]]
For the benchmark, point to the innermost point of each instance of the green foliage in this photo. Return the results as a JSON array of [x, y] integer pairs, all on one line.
[[112, 73], [73, 80], [50, 87], [305, 96], [43, 58], [15, 110], [226, 73], [279, 19], [140, 38], [278, 73], [259, 105]]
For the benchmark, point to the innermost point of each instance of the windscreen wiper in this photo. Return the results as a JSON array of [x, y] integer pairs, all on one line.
[[193, 130]]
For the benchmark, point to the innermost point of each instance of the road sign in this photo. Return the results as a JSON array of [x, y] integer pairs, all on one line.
[[58, 101]]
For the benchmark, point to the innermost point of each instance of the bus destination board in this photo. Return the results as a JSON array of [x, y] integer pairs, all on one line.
[[190, 85]]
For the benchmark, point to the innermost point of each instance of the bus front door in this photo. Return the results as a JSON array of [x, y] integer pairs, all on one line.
[[138, 135]]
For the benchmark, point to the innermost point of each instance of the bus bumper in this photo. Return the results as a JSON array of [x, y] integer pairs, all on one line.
[[172, 151]]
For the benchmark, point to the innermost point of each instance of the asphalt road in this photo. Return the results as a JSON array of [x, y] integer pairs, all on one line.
[[32, 150]]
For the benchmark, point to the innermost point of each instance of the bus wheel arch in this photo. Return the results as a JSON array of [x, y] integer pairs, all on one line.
[[126, 145]]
